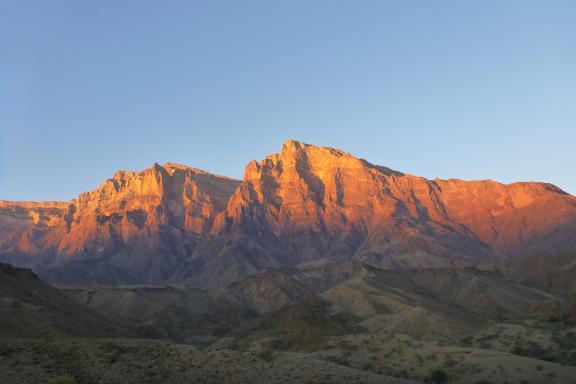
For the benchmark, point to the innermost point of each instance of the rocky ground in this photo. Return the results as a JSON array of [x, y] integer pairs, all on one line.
[[402, 356], [376, 326], [82, 361]]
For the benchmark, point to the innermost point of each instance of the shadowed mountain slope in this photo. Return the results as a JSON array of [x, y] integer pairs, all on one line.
[[30, 308]]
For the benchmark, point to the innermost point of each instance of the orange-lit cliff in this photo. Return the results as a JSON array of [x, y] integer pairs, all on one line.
[[304, 205]]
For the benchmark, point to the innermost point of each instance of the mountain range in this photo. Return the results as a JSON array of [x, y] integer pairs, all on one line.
[[316, 267], [304, 207]]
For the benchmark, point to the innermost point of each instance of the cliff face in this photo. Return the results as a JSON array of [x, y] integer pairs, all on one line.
[[136, 227], [319, 202], [517, 218], [304, 205]]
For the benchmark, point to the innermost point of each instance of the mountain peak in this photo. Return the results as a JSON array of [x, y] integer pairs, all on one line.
[[294, 146], [172, 165], [296, 156], [290, 144], [301, 155]]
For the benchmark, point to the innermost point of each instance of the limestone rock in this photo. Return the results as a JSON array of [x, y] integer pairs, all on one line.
[[305, 206]]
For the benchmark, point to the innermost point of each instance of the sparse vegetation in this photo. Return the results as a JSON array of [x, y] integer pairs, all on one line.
[[146, 361], [341, 360], [63, 379], [266, 355], [437, 376], [368, 367]]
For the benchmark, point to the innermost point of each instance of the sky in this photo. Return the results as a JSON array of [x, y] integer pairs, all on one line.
[[447, 89]]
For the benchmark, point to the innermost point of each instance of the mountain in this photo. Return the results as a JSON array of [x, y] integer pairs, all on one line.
[[473, 325], [30, 308], [192, 314], [424, 303], [306, 206], [268, 290], [452, 302], [432, 303], [310, 324], [136, 227], [330, 192], [188, 315], [312, 205]]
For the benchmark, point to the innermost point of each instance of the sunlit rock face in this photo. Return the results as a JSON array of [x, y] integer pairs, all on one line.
[[320, 201], [323, 203], [514, 218], [136, 227], [306, 205]]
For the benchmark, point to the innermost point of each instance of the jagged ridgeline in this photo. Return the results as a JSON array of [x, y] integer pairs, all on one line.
[[316, 267], [306, 205]]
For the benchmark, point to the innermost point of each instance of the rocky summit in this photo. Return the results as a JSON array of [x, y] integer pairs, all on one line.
[[306, 206]]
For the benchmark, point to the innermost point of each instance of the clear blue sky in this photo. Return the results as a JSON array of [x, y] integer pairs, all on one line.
[[464, 89]]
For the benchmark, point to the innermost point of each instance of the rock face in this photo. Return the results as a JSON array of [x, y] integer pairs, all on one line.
[[136, 227], [320, 201], [306, 205]]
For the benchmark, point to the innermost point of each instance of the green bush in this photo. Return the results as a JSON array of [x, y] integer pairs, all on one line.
[[63, 379], [266, 355], [437, 376], [368, 367]]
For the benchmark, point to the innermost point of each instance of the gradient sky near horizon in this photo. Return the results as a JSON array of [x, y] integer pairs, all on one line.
[[462, 89]]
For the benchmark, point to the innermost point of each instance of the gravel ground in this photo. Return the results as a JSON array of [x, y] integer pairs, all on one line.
[[146, 361]]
